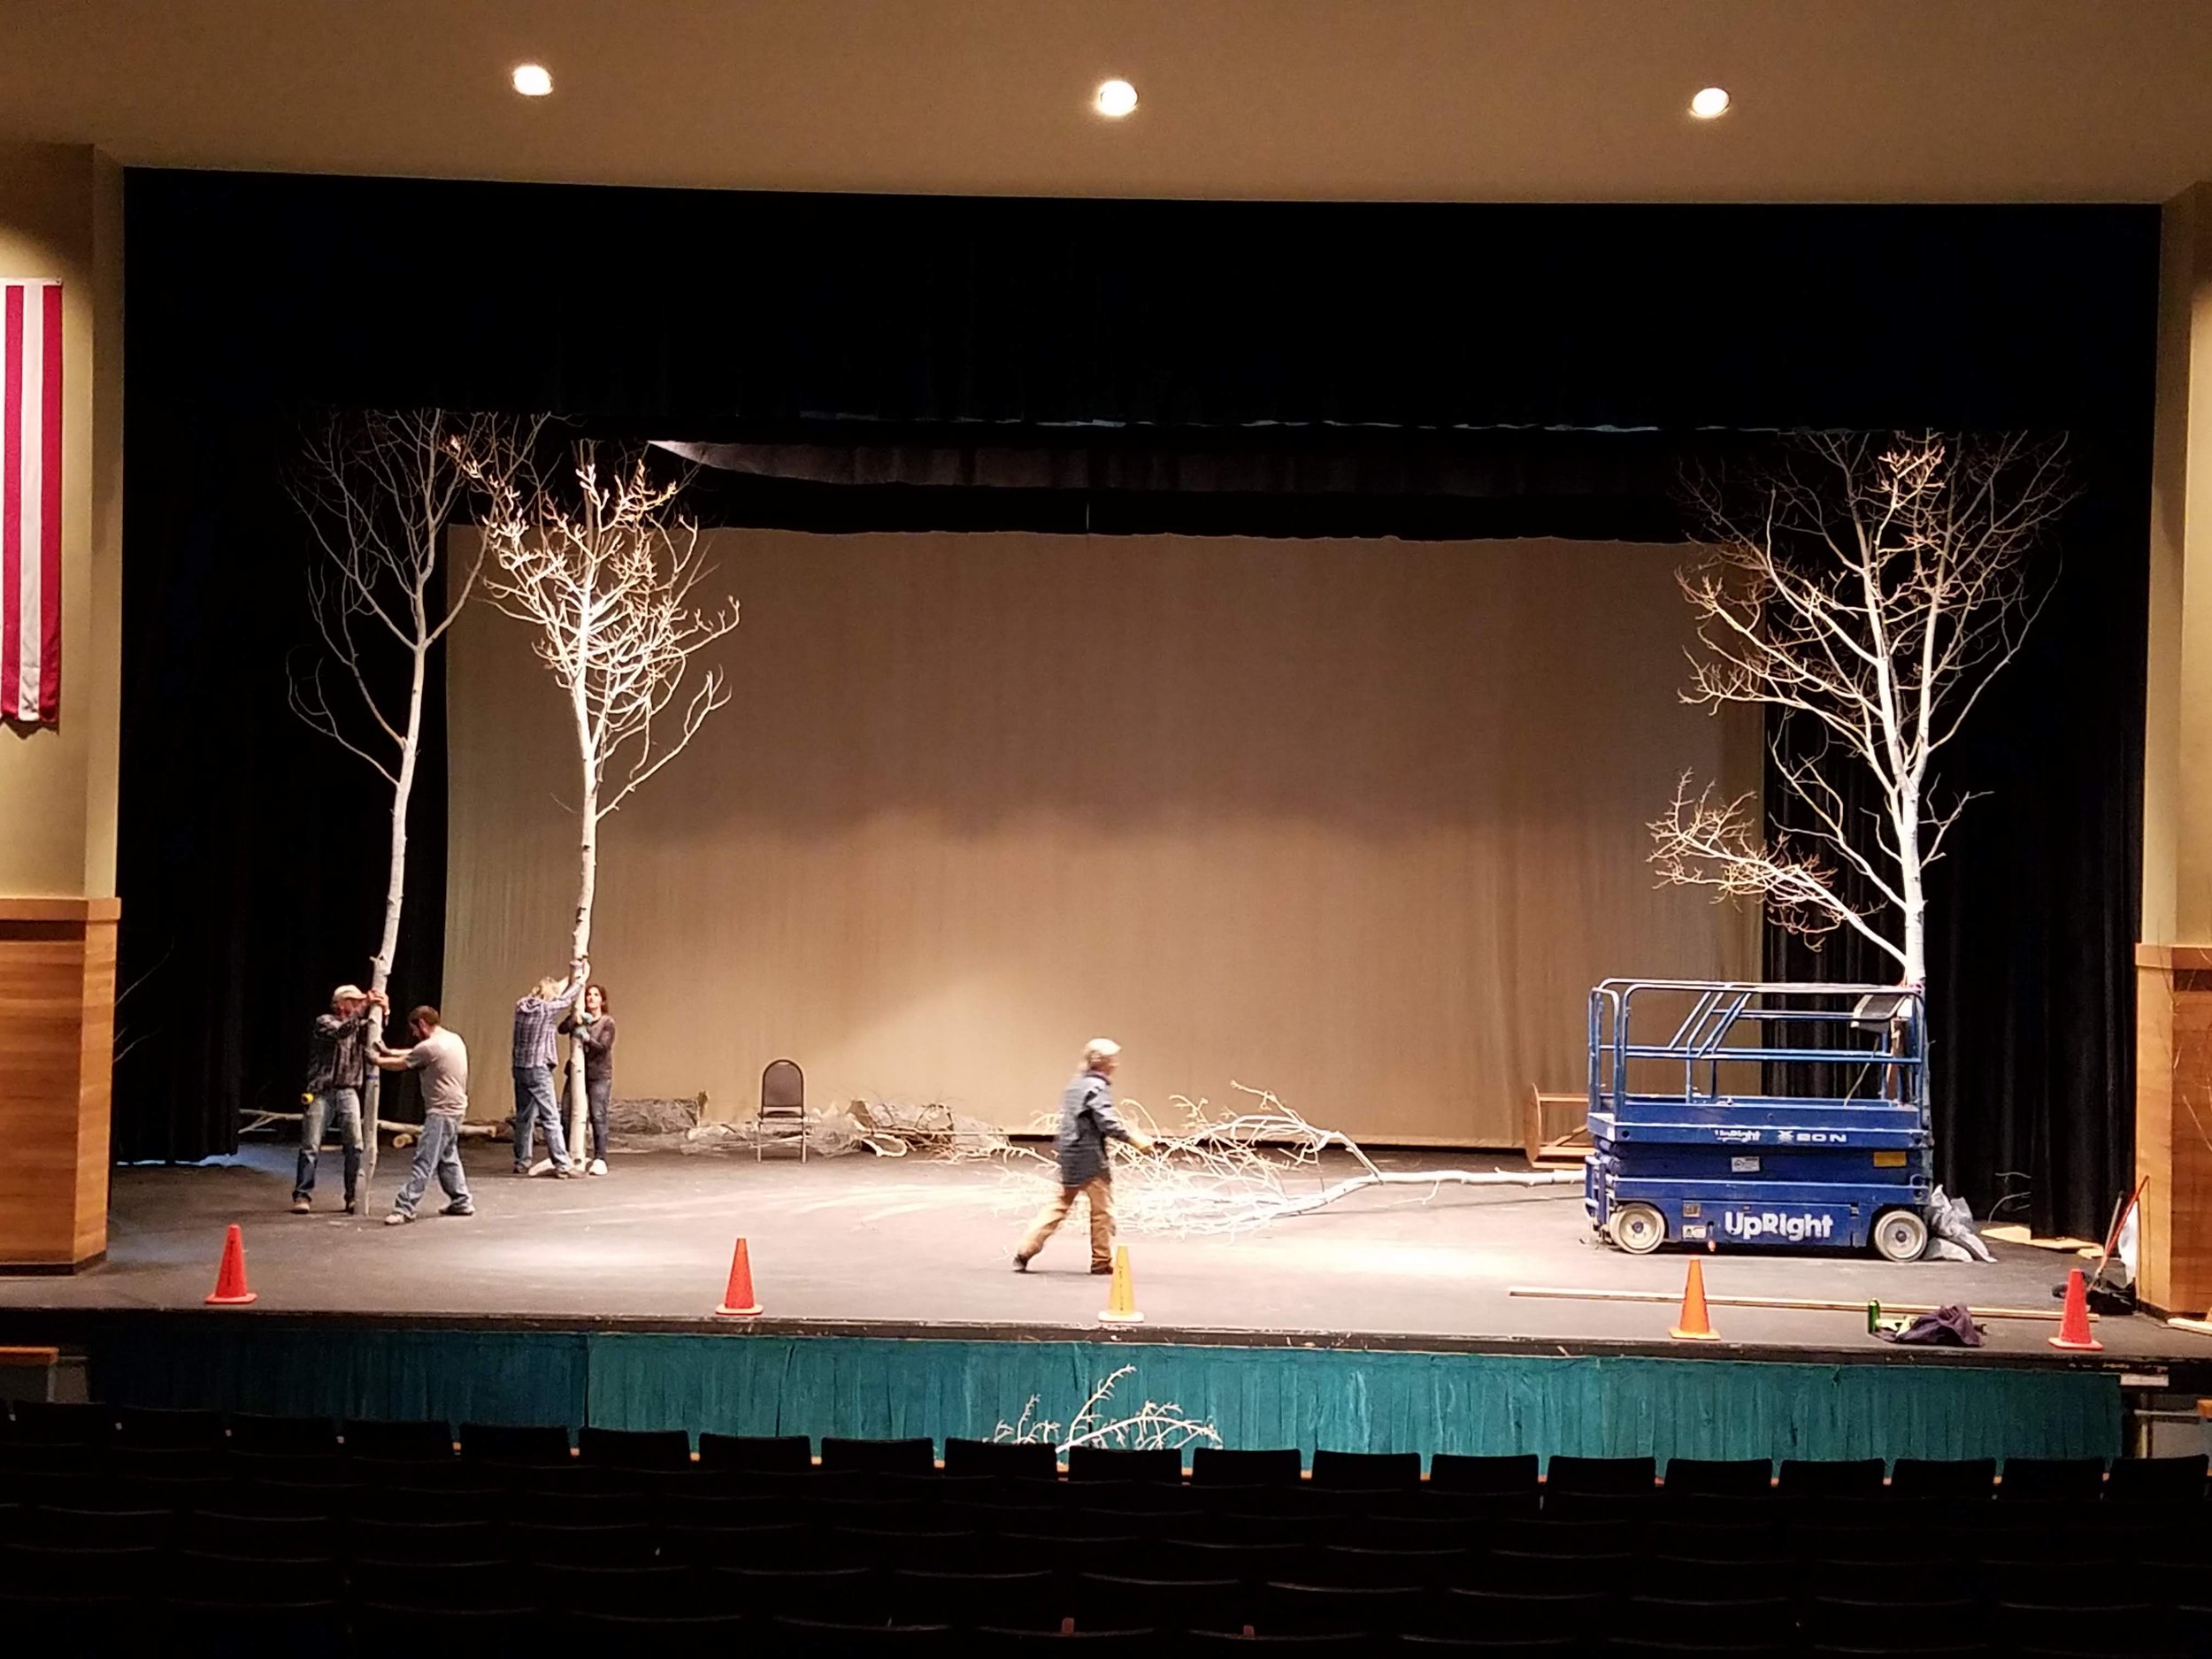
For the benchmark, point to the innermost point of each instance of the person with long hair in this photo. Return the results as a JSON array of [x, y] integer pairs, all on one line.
[[593, 1024]]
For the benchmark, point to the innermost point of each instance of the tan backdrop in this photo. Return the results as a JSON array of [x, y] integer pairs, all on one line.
[[1359, 822]]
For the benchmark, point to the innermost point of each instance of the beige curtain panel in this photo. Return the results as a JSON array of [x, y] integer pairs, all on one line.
[[1358, 822]]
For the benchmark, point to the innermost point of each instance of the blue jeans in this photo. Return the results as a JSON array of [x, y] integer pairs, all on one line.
[[598, 1096], [535, 1107], [342, 1107], [438, 1153]]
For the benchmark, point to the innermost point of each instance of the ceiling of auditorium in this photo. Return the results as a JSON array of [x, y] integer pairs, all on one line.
[[1471, 100]]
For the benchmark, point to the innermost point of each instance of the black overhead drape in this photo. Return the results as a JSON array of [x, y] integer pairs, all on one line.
[[1119, 366]]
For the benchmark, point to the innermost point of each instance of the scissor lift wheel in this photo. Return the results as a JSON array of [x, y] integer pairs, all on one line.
[[1639, 1229], [1899, 1235]]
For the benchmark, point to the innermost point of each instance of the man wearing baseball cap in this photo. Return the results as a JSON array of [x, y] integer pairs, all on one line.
[[337, 1071]]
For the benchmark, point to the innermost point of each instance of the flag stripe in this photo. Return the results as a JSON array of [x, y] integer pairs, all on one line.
[[24, 693], [49, 508], [11, 506], [30, 501]]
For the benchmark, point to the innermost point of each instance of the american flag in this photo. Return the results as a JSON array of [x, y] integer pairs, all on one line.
[[30, 501]]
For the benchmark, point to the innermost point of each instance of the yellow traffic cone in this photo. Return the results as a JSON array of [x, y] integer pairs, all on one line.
[[1121, 1306]]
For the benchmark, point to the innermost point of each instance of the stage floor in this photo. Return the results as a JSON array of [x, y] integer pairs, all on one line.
[[913, 1247]]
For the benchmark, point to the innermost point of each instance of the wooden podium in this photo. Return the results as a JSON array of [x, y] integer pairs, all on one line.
[[57, 1055], [2173, 1125]]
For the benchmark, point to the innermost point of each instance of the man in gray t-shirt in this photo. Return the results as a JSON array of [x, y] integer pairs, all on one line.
[[443, 1060]]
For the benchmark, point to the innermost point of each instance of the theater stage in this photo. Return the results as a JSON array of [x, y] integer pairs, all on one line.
[[891, 1304]]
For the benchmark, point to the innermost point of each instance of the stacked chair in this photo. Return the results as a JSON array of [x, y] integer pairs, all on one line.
[[245, 1535]]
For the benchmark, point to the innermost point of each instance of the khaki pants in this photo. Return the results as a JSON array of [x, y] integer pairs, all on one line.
[[1100, 1190]]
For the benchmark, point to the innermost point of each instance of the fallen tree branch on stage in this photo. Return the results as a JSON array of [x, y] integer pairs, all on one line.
[[1206, 1175], [890, 1129], [1155, 1426]]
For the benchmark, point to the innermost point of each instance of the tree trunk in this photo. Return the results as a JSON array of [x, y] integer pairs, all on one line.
[[1915, 919], [395, 897], [580, 940]]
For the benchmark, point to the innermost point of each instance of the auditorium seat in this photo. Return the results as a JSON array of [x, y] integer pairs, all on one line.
[[459, 1584], [1306, 1609], [1365, 1566], [1286, 1646], [1734, 1477], [46, 1422], [1580, 1611], [1030, 1460], [703, 1635], [1366, 1471], [1453, 1471], [1013, 1643], [429, 1536], [855, 1591], [1943, 1477], [917, 1455], [1157, 1465], [2043, 1479], [265, 1537], [389, 1440], [2155, 1479], [811, 1636], [634, 1448], [1600, 1477], [1110, 1601], [629, 1587], [403, 1625], [1215, 1466], [756, 1454], [514, 1443], [160, 1427], [1015, 1599], [1830, 1477], [257, 1432]]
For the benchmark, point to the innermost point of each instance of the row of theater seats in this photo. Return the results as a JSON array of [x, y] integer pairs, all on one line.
[[267, 1535], [153, 1430]]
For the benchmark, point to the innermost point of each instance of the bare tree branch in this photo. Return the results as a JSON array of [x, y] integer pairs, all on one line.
[[378, 489], [602, 569], [1873, 585]]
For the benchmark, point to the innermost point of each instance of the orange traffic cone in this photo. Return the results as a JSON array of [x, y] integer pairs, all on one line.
[[2073, 1325], [737, 1300], [230, 1278], [1695, 1326], [1121, 1302]]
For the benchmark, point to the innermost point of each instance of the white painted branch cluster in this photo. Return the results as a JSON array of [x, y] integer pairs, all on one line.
[[1870, 587], [1206, 1175], [378, 489], [1155, 1425], [599, 562]]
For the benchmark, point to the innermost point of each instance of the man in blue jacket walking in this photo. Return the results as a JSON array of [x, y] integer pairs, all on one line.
[[1088, 1122]]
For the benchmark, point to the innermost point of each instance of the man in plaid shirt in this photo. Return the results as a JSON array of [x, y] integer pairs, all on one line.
[[536, 1016]]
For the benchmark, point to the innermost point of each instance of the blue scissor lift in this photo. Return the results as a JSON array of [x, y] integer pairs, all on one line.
[[1692, 1144]]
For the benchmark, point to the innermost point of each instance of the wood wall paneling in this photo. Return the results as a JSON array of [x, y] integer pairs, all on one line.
[[57, 1031]]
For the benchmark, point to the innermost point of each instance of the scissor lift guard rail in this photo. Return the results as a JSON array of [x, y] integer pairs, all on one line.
[[1698, 1137]]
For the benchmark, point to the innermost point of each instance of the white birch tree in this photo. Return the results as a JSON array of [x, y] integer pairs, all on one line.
[[378, 488], [600, 563], [1870, 587]]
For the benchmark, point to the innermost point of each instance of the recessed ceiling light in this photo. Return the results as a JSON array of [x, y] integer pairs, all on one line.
[[1114, 99], [1710, 104], [533, 80]]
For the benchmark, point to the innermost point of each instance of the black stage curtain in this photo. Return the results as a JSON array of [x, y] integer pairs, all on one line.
[[1119, 366]]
